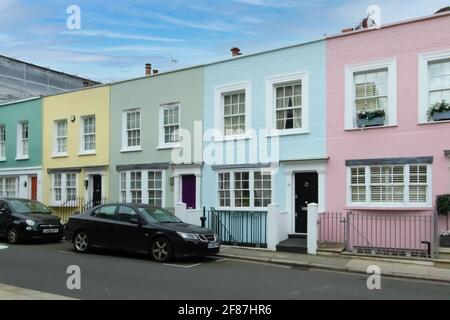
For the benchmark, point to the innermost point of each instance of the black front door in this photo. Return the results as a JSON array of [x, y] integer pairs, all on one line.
[[306, 191], [97, 189]]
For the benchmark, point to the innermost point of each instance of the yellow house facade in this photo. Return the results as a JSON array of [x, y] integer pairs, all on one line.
[[76, 147]]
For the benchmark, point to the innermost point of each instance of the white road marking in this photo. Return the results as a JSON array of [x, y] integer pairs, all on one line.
[[182, 266], [3, 247], [69, 252]]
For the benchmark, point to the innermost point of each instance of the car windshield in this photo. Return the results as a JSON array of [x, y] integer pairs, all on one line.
[[158, 215], [28, 207]]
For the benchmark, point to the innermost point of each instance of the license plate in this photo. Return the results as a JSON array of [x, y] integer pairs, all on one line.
[[213, 245], [50, 231]]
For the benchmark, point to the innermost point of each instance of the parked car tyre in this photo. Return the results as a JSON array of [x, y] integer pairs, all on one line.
[[81, 242], [13, 236], [161, 249]]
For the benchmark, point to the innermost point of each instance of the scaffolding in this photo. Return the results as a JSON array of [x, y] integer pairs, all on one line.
[[20, 80]]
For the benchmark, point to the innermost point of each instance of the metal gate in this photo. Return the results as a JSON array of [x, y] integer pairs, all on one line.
[[393, 234]]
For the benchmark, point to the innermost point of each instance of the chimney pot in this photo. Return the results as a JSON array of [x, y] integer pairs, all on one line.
[[155, 71], [347, 30], [148, 69], [235, 51]]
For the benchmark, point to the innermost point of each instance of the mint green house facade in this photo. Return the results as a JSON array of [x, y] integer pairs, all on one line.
[[21, 149], [156, 139]]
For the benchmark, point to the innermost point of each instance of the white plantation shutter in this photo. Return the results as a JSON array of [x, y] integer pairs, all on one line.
[[371, 90], [390, 185], [418, 184], [358, 184], [439, 81]]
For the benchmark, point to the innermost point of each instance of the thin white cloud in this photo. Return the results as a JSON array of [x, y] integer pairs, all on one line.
[[116, 35], [270, 3], [215, 26], [5, 4]]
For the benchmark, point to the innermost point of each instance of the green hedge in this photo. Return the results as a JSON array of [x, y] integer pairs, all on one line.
[[443, 204]]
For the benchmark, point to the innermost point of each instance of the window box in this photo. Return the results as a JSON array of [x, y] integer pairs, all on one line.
[[374, 122], [440, 116]]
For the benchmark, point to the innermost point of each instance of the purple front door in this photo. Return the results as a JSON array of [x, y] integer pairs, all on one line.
[[188, 191]]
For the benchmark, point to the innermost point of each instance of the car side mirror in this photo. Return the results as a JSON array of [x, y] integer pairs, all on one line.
[[3, 211]]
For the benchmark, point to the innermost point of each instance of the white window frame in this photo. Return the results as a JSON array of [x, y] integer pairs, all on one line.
[[20, 141], [271, 84], [396, 205], [251, 189], [155, 189], [144, 185], [162, 143], [3, 186], [219, 109], [56, 137], [125, 147], [3, 142], [424, 60], [83, 150], [350, 112], [64, 188]]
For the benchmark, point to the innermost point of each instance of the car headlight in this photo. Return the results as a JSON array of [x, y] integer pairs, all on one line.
[[188, 236], [30, 222]]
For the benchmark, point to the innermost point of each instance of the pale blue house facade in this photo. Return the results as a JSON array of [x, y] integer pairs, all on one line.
[[264, 146]]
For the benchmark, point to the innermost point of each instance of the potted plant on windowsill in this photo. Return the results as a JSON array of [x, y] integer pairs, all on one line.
[[373, 118], [443, 209], [439, 111]]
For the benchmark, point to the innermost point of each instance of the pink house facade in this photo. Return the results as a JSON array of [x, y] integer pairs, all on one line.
[[387, 155]]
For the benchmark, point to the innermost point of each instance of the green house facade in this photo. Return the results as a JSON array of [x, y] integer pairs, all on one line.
[[156, 139], [21, 149]]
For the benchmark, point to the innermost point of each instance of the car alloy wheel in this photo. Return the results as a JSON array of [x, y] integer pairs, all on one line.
[[161, 250], [81, 242], [13, 236]]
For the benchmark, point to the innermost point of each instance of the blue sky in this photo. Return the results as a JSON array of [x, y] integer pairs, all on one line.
[[118, 37]]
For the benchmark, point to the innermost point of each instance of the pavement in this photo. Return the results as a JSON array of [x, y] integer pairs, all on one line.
[[110, 275], [16, 293], [404, 268]]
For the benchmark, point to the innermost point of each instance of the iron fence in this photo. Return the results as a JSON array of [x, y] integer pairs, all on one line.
[[239, 228], [68, 208], [401, 235]]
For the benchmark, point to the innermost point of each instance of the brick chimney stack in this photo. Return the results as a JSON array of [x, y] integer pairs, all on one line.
[[235, 51]]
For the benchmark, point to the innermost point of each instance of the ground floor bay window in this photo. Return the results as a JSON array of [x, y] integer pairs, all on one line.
[[143, 186], [390, 184], [9, 187], [64, 188], [244, 189]]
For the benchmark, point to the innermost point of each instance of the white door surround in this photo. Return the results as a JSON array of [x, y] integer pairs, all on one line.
[[190, 169], [303, 166], [89, 178]]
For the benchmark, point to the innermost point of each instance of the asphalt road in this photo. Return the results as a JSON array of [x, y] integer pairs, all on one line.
[[113, 275]]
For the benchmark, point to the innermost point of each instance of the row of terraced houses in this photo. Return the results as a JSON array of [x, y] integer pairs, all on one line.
[[343, 122]]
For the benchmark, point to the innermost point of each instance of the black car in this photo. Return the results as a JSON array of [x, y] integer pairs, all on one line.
[[140, 228], [24, 219]]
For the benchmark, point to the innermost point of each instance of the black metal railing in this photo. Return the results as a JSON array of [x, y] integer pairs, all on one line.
[[238, 228], [70, 207]]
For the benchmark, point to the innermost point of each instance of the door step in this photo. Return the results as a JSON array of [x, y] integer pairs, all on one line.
[[293, 245], [297, 236]]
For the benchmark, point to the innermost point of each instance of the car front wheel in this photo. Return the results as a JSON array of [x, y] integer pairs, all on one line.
[[13, 236], [81, 242], [161, 250]]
